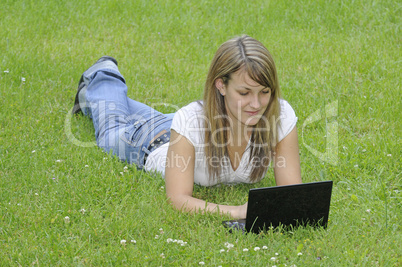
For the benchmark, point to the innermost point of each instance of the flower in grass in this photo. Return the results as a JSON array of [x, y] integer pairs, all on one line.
[[274, 259], [161, 231], [222, 250], [182, 243], [133, 241], [86, 166], [228, 245], [123, 242], [256, 248], [58, 160], [156, 236], [33, 151], [276, 254], [368, 210], [201, 263], [66, 219], [82, 211], [245, 249], [23, 79], [299, 254], [6, 71], [264, 247], [389, 155]]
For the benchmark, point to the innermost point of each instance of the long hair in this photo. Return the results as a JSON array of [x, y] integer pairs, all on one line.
[[251, 56]]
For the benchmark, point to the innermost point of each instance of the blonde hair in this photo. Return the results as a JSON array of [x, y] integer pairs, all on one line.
[[251, 56]]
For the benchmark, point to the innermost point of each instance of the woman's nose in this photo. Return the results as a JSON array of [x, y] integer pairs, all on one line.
[[255, 102]]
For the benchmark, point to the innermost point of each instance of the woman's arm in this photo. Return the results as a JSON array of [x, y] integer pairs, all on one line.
[[179, 179], [287, 160]]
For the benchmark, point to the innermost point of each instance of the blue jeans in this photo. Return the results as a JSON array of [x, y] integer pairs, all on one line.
[[123, 126]]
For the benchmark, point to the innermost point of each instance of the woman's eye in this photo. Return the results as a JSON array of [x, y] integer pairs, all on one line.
[[243, 93], [266, 92]]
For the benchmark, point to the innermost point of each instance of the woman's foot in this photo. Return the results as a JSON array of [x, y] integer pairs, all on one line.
[[83, 82]]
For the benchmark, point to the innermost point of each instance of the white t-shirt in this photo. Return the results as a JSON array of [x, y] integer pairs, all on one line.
[[189, 122]]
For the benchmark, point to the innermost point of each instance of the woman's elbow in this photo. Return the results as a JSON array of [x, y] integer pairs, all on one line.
[[178, 201]]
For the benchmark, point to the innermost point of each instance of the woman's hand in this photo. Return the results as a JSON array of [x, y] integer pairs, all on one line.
[[241, 211]]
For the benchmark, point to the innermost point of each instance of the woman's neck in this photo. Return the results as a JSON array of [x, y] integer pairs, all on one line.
[[240, 136]]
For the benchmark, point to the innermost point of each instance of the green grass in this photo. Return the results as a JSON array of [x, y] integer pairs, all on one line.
[[326, 51]]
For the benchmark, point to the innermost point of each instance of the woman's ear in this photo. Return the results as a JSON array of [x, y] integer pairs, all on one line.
[[220, 86]]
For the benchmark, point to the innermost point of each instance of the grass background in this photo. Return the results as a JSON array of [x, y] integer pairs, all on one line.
[[325, 51]]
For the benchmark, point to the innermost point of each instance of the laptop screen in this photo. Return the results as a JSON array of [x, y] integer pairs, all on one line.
[[291, 205]]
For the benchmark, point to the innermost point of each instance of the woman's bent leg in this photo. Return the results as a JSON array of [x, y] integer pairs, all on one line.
[[104, 99], [122, 126]]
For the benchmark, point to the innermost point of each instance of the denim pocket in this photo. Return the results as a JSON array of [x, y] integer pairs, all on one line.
[[132, 133], [139, 132]]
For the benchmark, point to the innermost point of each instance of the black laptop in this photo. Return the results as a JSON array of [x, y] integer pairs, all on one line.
[[288, 206]]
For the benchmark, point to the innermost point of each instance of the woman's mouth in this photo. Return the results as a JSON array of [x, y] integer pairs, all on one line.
[[252, 113]]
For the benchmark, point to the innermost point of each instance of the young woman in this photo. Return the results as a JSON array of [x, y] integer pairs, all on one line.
[[241, 127]]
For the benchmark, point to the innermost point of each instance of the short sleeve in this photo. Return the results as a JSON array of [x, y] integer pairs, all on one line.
[[287, 118], [189, 122]]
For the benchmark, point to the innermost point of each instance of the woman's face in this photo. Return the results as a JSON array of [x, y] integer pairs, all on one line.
[[245, 99]]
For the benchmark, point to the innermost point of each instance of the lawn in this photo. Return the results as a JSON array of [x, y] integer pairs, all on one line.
[[63, 202]]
